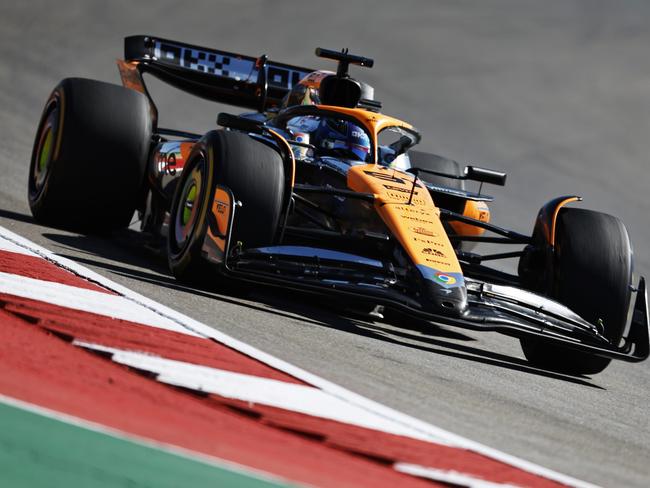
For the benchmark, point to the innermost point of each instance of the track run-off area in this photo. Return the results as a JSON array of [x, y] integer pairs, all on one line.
[[557, 94]]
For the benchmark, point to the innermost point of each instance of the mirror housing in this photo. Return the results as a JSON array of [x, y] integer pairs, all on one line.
[[485, 175], [239, 123]]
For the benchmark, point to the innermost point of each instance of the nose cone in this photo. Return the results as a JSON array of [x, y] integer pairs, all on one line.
[[444, 292], [448, 301]]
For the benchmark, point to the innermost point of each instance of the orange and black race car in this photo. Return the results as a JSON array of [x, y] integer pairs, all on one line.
[[317, 190]]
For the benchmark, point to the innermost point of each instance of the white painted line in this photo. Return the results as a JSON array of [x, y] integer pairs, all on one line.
[[332, 388], [451, 477], [264, 391], [92, 301], [143, 441], [6, 245]]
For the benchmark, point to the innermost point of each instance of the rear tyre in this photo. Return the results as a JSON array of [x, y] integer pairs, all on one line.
[[593, 277], [89, 156], [253, 171]]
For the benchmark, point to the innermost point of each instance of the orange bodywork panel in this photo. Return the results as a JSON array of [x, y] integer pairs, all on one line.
[[557, 211], [221, 209], [417, 225], [474, 210], [130, 75], [132, 79]]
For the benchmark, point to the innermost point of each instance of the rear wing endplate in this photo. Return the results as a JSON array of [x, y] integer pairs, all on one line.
[[219, 76]]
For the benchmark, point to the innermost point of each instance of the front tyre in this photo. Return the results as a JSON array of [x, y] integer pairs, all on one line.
[[89, 156], [593, 277], [252, 170]]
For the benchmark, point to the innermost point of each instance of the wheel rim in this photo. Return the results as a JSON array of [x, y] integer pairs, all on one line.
[[188, 206], [45, 148]]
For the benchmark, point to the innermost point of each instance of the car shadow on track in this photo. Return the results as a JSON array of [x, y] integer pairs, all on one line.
[[121, 253], [20, 217], [126, 249], [425, 336], [235, 298]]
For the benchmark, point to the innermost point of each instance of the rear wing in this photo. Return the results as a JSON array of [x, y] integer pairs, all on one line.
[[219, 76]]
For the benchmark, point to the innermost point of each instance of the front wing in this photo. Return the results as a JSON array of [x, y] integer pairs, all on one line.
[[492, 307]]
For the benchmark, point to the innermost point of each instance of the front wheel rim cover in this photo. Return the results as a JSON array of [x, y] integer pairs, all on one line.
[[45, 148], [189, 204]]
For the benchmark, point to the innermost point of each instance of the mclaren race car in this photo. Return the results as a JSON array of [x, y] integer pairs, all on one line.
[[315, 189]]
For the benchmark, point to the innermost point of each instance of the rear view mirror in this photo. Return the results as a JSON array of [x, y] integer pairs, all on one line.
[[239, 123], [401, 145], [484, 175]]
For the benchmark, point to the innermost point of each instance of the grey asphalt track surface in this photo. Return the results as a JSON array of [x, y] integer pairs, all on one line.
[[555, 93]]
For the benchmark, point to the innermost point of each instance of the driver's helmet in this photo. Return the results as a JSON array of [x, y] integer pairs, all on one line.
[[306, 91], [342, 138]]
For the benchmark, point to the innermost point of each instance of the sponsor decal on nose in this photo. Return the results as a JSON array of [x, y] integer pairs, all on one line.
[[445, 279]]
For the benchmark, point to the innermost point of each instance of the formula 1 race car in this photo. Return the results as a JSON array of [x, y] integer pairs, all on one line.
[[317, 190]]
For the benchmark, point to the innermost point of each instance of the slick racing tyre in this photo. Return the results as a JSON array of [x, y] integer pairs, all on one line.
[[593, 277], [89, 156], [433, 162], [253, 171]]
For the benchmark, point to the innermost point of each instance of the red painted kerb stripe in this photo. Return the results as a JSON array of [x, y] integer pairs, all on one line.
[[40, 269]]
